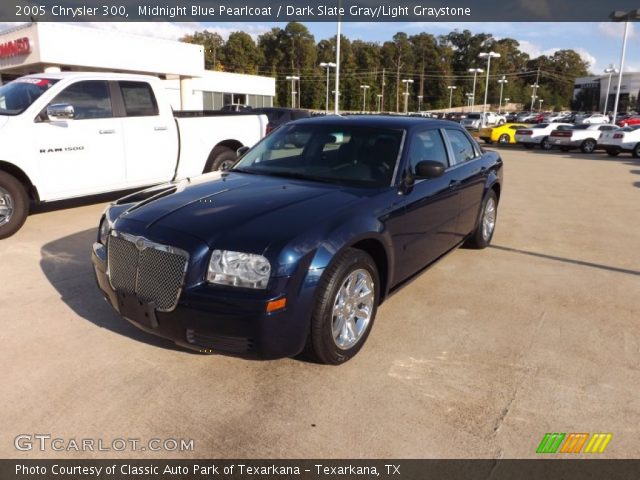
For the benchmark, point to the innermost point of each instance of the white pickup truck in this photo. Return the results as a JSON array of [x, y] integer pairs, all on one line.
[[72, 134]]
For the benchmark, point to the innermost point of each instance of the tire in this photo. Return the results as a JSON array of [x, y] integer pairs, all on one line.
[[545, 144], [481, 237], [220, 158], [613, 153], [636, 151], [14, 205], [588, 146], [327, 342], [504, 139]]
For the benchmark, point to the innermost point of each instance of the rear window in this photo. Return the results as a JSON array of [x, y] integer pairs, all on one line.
[[139, 100]]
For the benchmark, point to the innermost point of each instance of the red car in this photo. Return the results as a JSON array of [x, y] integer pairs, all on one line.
[[631, 120]]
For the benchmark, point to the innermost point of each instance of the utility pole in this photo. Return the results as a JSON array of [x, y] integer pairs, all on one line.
[[502, 81], [535, 89], [382, 92], [293, 79], [336, 100], [364, 97]]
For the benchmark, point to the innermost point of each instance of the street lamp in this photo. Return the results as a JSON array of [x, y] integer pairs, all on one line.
[[364, 97], [506, 102], [611, 70], [475, 72], [293, 91], [533, 95], [451, 89], [502, 81], [622, 17], [328, 66], [406, 81], [540, 105], [379, 102], [420, 97], [469, 99], [488, 56]]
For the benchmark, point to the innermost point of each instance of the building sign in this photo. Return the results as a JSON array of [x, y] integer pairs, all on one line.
[[13, 48]]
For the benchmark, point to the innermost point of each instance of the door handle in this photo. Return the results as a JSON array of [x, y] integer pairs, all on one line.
[[454, 183], [160, 129], [106, 132]]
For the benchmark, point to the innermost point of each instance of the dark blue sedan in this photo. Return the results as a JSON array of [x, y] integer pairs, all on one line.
[[298, 244]]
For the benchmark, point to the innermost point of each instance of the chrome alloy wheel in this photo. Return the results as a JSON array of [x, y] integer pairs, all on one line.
[[6, 207], [352, 309], [489, 219]]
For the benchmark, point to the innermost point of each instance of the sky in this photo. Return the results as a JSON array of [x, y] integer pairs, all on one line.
[[598, 43]]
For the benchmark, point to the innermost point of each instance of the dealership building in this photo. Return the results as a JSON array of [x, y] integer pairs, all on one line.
[[56, 47], [592, 91]]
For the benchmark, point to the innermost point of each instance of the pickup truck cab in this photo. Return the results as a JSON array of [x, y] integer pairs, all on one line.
[[71, 134]]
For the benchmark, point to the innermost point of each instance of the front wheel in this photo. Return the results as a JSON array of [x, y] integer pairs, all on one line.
[[504, 139], [14, 205], [220, 158], [346, 305], [482, 235]]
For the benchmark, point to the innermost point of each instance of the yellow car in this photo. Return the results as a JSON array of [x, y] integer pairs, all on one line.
[[502, 134]]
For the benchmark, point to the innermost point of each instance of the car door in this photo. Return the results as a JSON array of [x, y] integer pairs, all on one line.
[[468, 175], [427, 228], [150, 141], [82, 155]]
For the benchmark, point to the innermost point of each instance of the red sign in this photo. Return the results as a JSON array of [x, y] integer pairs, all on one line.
[[21, 46]]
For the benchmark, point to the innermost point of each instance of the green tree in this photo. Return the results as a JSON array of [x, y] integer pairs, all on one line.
[[241, 53], [212, 43]]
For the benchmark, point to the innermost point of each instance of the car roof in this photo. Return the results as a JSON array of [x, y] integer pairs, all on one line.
[[377, 121]]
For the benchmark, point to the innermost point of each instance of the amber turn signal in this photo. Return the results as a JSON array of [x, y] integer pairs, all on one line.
[[275, 305]]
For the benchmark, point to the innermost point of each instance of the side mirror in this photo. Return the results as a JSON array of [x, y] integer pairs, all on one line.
[[241, 151], [60, 111], [429, 169]]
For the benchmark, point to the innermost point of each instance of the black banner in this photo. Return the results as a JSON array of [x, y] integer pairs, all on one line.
[[314, 10], [538, 469]]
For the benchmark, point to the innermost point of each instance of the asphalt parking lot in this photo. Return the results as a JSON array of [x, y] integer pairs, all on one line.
[[478, 357]]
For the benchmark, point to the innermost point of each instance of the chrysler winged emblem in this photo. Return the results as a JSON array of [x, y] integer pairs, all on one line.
[[140, 244]]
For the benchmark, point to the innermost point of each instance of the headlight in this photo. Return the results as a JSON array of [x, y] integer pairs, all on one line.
[[104, 230], [238, 269]]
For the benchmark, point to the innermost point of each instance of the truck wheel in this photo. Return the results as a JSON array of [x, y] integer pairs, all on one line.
[[14, 205], [588, 146], [345, 308], [220, 158]]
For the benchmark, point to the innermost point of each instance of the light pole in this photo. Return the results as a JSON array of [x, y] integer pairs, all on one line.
[[336, 99], [622, 17], [469, 99], [611, 70], [364, 97], [420, 97], [502, 81], [533, 95], [406, 81], [293, 90], [475, 72], [488, 56], [506, 102], [328, 66], [379, 102], [540, 105], [451, 89]]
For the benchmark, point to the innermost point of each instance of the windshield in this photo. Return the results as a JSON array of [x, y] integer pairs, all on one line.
[[346, 155], [17, 96]]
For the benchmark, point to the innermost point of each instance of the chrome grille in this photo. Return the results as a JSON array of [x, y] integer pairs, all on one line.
[[154, 273]]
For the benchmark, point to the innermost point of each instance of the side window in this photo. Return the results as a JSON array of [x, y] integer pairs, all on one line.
[[462, 147], [427, 145], [90, 99], [139, 100]]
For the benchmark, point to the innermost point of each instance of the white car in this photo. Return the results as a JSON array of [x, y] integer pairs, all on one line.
[[74, 134], [539, 134], [593, 119], [625, 139], [585, 137]]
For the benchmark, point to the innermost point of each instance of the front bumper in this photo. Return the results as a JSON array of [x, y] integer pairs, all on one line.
[[219, 320]]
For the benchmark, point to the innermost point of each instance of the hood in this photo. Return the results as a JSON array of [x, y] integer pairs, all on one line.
[[237, 209]]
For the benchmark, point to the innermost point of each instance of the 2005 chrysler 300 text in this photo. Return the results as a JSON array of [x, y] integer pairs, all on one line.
[[294, 248]]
